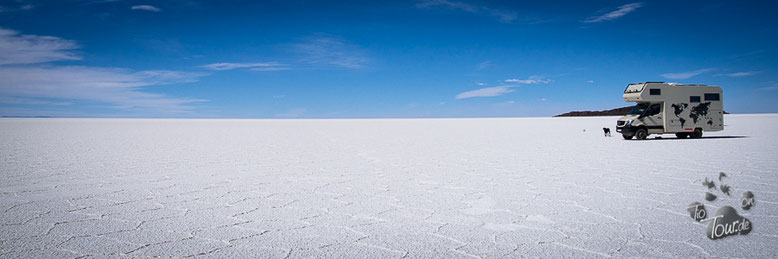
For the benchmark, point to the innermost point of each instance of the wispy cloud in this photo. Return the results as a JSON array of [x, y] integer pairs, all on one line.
[[483, 65], [772, 87], [486, 92], [685, 75], [740, 74], [29, 101], [22, 81], [619, 12], [18, 6], [505, 16], [450, 4], [276, 68], [17, 49], [267, 66], [747, 54], [530, 80], [149, 8], [120, 88], [330, 50], [503, 89]]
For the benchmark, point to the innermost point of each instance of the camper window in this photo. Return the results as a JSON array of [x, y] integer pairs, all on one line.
[[634, 88], [712, 97], [655, 91], [694, 99]]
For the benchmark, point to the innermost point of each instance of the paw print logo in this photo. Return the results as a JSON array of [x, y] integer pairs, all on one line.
[[726, 222]]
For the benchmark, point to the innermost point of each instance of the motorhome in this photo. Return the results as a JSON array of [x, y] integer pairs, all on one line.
[[667, 108]]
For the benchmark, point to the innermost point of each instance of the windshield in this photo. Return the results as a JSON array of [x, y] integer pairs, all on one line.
[[638, 109]]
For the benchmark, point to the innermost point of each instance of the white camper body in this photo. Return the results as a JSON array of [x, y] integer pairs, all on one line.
[[686, 110]]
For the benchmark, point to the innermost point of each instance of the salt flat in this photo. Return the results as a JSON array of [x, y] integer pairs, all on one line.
[[549, 187]]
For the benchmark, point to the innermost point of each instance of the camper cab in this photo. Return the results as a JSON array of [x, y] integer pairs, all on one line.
[[667, 108]]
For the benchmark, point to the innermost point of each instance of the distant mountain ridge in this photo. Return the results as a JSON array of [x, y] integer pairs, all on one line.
[[612, 112]]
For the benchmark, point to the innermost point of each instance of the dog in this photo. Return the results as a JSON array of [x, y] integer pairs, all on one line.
[[607, 131]]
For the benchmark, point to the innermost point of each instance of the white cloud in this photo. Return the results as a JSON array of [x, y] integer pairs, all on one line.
[[531, 80], [739, 74], [268, 66], [542, 100], [25, 83], [480, 83], [505, 16], [685, 75], [485, 92], [328, 50], [621, 11], [16, 49], [120, 88], [503, 89], [145, 8], [590, 81]]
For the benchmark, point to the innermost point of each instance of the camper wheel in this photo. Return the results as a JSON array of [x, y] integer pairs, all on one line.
[[697, 133], [641, 134], [626, 136], [682, 135]]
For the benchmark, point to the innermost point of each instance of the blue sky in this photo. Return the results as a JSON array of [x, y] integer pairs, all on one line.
[[363, 59]]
